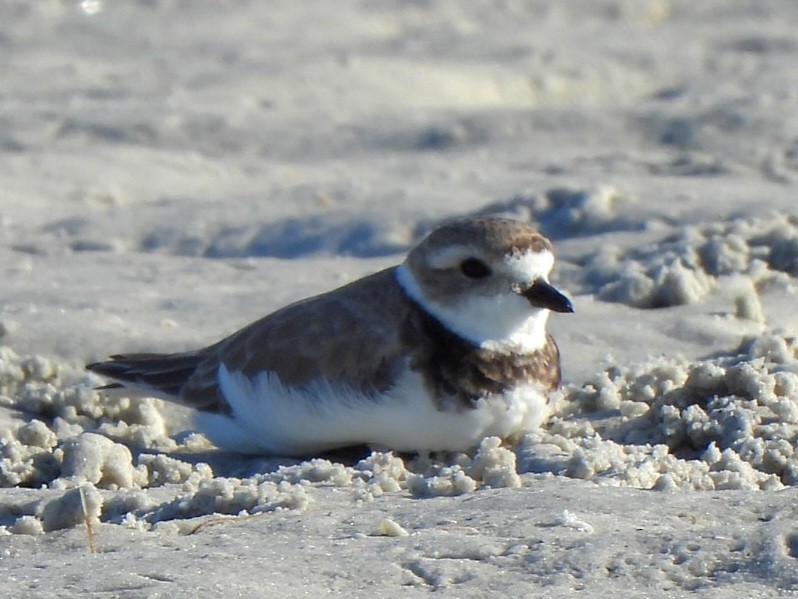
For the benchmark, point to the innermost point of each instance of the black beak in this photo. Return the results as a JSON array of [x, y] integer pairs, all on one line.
[[542, 294]]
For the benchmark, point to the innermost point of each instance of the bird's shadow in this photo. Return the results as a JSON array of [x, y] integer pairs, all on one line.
[[228, 464]]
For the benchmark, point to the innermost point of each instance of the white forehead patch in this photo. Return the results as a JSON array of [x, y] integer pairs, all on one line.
[[530, 265]]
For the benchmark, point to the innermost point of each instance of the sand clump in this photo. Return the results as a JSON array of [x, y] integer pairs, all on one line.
[[687, 266], [565, 211], [725, 423]]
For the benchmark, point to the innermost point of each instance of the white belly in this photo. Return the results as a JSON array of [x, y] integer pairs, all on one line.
[[269, 417]]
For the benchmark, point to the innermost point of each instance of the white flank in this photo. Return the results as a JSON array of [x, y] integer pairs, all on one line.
[[272, 417]]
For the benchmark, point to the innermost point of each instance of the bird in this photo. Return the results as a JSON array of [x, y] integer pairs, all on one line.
[[446, 348]]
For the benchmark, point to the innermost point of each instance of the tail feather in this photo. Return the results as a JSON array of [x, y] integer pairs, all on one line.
[[166, 373]]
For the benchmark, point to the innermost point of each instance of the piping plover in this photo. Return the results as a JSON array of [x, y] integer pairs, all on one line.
[[434, 354]]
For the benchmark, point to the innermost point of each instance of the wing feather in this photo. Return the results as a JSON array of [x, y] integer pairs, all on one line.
[[351, 337]]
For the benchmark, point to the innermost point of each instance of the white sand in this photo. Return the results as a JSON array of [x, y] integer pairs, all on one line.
[[173, 170]]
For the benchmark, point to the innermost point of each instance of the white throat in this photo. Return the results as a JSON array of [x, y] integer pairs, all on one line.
[[505, 323]]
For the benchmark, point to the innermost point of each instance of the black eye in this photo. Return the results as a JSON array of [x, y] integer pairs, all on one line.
[[474, 268]]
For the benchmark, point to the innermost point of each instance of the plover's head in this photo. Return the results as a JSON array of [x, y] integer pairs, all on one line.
[[486, 279]]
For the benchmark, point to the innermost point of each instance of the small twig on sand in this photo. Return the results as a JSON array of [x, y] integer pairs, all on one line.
[[87, 521], [214, 520]]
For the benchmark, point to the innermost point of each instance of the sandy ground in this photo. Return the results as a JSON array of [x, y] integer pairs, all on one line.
[[172, 170]]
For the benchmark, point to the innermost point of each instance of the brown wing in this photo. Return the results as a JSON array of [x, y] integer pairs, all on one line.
[[349, 336]]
